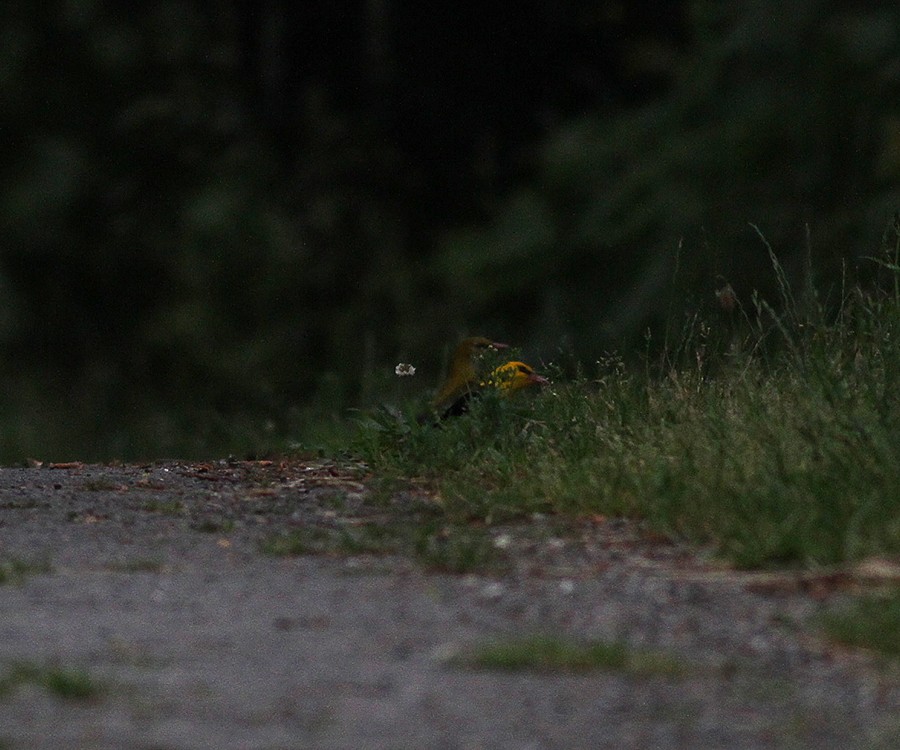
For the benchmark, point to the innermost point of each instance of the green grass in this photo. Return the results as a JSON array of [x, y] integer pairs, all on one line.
[[457, 548], [63, 682], [870, 622], [439, 547], [775, 439], [16, 570], [555, 654], [313, 540], [164, 507], [214, 525]]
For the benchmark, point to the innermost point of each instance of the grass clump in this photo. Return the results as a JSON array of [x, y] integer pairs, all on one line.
[[320, 540], [15, 570], [164, 507], [451, 548], [778, 445], [63, 682], [555, 654], [213, 525], [457, 548], [870, 622]]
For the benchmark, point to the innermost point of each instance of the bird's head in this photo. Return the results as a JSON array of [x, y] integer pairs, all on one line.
[[513, 376]]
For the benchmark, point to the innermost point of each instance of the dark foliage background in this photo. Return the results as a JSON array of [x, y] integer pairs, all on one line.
[[246, 214]]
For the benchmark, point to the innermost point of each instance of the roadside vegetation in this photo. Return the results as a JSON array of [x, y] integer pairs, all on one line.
[[871, 622], [542, 653], [15, 570], [771, 435], [63, 682]]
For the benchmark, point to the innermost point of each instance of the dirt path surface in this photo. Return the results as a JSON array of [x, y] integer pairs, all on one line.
[[156, 582]]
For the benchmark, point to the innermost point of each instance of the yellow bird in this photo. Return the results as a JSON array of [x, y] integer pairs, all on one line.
[[463, 381], [462, 377]]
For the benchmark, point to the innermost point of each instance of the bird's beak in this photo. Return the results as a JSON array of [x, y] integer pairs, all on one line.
[[538, 379], [498, 345]]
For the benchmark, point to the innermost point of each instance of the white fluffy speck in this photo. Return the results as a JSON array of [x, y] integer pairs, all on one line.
[[493, 590]]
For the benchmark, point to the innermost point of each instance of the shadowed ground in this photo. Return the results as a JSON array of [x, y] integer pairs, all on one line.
[[168, 589]]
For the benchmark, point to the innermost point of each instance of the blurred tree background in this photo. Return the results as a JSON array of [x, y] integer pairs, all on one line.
[[240, 216]]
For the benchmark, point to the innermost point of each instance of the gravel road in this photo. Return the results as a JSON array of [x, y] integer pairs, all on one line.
[[152, 580]]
